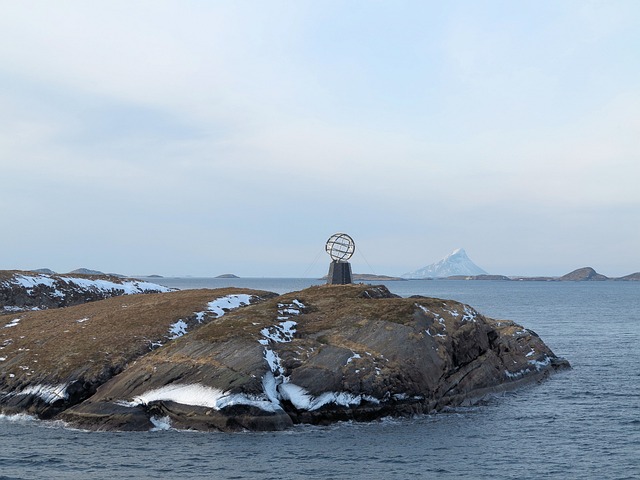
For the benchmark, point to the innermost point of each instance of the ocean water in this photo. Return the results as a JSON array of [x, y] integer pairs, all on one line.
[[583, 423]]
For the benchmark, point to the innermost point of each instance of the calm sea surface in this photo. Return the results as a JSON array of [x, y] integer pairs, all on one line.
[[584, 423]]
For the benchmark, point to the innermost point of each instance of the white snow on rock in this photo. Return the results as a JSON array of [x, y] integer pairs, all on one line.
[[469, 314], [436, 317], [537, 364], [276, 385], [202, 396], [129, 287], [302, 400], [281, 333], [229, 302], [274, 362], [11, 308], [178, 329], [48, 393], [12, 323], [30, 282], [540, 364], [218, 307], [353, 357]]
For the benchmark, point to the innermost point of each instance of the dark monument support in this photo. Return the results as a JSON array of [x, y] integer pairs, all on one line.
[[339, 273]]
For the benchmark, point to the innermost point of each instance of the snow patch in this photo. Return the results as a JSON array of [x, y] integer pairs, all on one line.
[[281, 333], [12, 323], [12, 308], [353, 357], [302, 400], [218, 307], [469, 314], [202, 396], [178, 329], [540, 364], [517, 374], [130, 287], [274, 362], [48, 393], [30, 282], [230, 302]]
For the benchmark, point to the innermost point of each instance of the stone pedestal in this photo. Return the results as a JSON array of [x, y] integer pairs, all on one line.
[[339, 273]]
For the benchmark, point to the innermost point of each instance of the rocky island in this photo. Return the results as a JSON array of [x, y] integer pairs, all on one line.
[[237, 359]]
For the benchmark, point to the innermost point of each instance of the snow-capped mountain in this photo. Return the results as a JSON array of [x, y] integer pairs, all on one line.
[[456, 263]]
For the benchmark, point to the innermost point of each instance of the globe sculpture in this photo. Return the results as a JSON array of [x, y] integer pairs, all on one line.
[[340, 248]]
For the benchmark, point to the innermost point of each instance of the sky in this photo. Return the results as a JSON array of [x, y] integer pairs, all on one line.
[[202, 138]]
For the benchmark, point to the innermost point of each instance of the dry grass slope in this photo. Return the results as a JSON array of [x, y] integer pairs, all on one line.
[[93, 339]]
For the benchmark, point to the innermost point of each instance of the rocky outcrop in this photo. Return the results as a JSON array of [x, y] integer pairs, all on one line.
[[583, 274], [315, 356], [633, 277], [54, 359], [21, 291]]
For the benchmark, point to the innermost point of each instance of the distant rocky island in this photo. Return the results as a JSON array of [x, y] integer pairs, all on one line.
[[584, 274], [227, 275], [370, 277], [238, 359]]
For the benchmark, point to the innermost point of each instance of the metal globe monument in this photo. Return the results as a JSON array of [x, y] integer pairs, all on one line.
[[340, 248]]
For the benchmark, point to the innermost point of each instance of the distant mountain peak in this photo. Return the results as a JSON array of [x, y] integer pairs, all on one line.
[[456, 263]]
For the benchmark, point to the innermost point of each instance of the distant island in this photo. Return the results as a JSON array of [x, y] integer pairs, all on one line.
[[458, 266], [227, 275], [584, 274], [370, 277], [367, 277]]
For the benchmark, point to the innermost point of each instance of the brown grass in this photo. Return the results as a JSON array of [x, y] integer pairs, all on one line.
[[118, 330]]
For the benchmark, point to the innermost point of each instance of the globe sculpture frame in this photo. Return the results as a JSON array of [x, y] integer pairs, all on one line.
[[340, 248]]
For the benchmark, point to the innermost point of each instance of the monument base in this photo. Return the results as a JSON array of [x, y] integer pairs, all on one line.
[[339, 273]]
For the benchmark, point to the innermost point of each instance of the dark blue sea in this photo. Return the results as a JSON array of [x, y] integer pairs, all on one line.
[[580, 424]]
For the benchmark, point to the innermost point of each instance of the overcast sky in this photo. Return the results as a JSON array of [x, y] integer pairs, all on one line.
[[200, 138]]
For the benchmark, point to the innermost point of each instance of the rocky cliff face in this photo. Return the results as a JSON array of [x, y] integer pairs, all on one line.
[[20, 291], [316, 356]]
